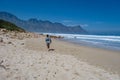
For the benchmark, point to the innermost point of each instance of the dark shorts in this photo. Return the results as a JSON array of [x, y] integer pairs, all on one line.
[[48, 44]]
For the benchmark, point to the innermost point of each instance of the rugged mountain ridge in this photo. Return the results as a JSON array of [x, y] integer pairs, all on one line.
[[35, 25]]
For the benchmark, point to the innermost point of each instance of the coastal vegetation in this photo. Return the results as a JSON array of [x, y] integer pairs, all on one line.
[[10, 26]]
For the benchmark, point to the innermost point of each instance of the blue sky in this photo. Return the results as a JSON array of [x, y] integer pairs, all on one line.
[[93, 15]]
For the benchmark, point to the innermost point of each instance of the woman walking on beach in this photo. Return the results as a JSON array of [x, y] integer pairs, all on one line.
[[48, 41]]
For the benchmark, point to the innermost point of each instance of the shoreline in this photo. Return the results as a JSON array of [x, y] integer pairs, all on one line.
[[101, 41], [106, 59], [91, 46]]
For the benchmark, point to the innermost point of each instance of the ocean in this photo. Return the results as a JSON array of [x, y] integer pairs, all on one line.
[[111, 42]]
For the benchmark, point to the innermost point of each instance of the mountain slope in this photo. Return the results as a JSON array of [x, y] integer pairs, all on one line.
[[10, 26], [35, 25]]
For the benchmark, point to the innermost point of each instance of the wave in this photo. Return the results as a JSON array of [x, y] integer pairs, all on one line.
[[102, 41], [91, 37]]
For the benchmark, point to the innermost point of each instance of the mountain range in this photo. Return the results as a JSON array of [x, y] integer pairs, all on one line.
[[35, 25]]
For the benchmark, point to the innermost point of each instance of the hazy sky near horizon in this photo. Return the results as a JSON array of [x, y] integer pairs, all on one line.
[[93, 15]]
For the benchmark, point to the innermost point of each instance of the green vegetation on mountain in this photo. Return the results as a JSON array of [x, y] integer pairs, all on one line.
[[10, 26]]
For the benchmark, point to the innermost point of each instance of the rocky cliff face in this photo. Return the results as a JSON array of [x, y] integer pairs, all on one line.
[[35, 25]]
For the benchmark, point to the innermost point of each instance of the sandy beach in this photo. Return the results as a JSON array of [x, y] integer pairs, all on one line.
[[106, 59], [29, 59]]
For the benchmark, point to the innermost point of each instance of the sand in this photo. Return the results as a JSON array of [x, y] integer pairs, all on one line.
[[29, 59], [107, 59]]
